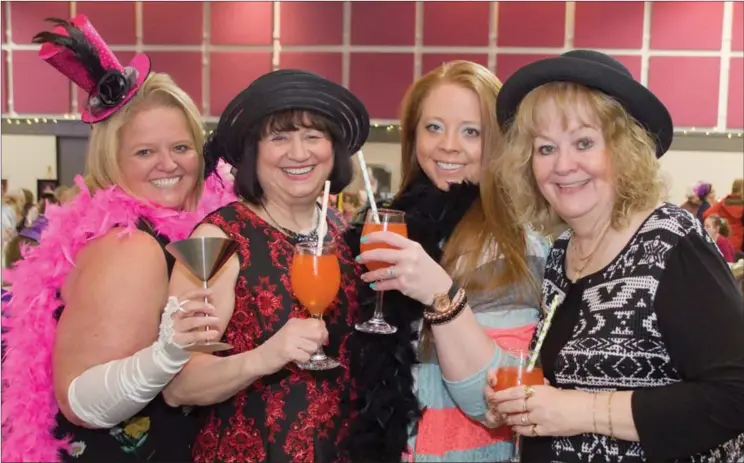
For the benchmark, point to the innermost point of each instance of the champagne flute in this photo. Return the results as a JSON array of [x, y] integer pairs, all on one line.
[[513, 372], [316, 278], [392, 221]]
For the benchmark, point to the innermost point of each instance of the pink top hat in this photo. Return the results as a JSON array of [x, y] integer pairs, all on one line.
[[76, 50]]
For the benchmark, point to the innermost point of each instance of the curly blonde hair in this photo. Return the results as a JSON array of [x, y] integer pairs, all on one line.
[[632, 151]]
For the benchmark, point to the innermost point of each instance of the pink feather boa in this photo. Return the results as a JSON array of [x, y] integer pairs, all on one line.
[[28, 405]]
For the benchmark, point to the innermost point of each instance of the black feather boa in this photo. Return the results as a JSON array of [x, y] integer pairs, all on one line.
[[382, 365]]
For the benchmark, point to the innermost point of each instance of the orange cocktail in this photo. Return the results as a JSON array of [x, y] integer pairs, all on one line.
[[370, 227], [316, 279], [514, 371], [381, 220], [507, 377]]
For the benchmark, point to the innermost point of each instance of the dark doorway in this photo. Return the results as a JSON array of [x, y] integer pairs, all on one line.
[[70, 158]]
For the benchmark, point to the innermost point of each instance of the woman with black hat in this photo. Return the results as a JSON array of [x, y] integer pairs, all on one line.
[[286, 134], [643, 349]]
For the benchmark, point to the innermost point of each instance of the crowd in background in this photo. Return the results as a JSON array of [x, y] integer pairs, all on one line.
[[114, 345], [723, 219]]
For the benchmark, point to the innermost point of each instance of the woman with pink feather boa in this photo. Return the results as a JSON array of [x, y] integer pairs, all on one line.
[[93, 337]]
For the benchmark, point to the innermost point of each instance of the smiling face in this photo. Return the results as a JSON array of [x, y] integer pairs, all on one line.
[[157, 157], [571, 163], [295, 158], [448, 135]]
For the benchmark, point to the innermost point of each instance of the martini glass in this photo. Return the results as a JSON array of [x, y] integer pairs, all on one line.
[[204, 256]]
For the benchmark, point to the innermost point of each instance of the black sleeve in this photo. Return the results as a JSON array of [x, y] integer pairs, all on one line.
[[701, 319]]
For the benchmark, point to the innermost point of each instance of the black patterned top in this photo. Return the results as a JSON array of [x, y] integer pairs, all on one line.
[[663, 319], [293, 415]]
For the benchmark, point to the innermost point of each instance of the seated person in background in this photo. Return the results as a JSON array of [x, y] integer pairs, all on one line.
[[718, 230], [644, 354]]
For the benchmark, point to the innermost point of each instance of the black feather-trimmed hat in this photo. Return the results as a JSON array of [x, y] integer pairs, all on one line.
[[283, 90], [595, 70]]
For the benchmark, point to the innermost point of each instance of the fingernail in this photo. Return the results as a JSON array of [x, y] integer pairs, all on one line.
[[363, 239], [372, 285], [358, 258]]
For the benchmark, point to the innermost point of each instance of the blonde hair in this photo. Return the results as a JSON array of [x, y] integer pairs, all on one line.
[[737, 187], [20, 201], [631, 149], [489, 219], [159, 90]]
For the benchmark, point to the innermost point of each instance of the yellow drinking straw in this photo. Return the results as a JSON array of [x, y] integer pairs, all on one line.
[[543, 332]]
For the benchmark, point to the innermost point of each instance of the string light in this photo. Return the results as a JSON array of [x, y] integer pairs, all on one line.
[[692, 131]]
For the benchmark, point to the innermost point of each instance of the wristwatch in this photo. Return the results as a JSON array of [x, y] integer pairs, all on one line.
[[442, 302]]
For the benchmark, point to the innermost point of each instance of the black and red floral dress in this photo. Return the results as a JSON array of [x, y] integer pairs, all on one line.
[[293, 415]]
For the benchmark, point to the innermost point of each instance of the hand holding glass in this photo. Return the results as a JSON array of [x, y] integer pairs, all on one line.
[[513, 372], [392, 221], [316, 279]]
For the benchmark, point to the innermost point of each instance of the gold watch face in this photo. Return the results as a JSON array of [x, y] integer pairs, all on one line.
[[441, 302]]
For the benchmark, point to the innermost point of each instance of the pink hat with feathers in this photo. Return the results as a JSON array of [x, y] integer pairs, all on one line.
[[75, 49]]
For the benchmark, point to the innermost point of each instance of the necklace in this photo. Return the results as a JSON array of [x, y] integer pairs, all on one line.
[[311, 236], [586, 260]]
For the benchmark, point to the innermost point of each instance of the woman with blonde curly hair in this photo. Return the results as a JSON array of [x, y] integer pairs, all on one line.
[[466, 281], [643, 351]]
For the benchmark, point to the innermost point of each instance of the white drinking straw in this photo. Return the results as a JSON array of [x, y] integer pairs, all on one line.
[[543, 332], [368, 186], [323, 215]]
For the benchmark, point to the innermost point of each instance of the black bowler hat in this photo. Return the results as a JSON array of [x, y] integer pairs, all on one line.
[[595, 70], [283, 90]]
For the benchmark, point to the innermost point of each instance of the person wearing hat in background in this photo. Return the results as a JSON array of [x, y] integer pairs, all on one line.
[[643, 353], [89, 343], [705, 195], [286, 134]]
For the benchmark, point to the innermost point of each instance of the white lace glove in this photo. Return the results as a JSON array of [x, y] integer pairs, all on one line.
[[105, 395]]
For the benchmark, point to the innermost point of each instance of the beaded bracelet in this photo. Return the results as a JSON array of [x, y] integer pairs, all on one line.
[[431, 314], [457, 306]]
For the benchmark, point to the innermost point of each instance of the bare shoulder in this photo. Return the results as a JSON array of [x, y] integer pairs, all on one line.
[[208, 230], [120, 246]]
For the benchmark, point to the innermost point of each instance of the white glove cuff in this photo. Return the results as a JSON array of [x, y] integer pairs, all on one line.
[[107, 394], [168, 352]]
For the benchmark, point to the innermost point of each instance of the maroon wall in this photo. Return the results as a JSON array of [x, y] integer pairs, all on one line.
[[214, 50]]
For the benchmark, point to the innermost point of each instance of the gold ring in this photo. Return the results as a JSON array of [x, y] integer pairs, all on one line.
[[534, 430], [528, 392]]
